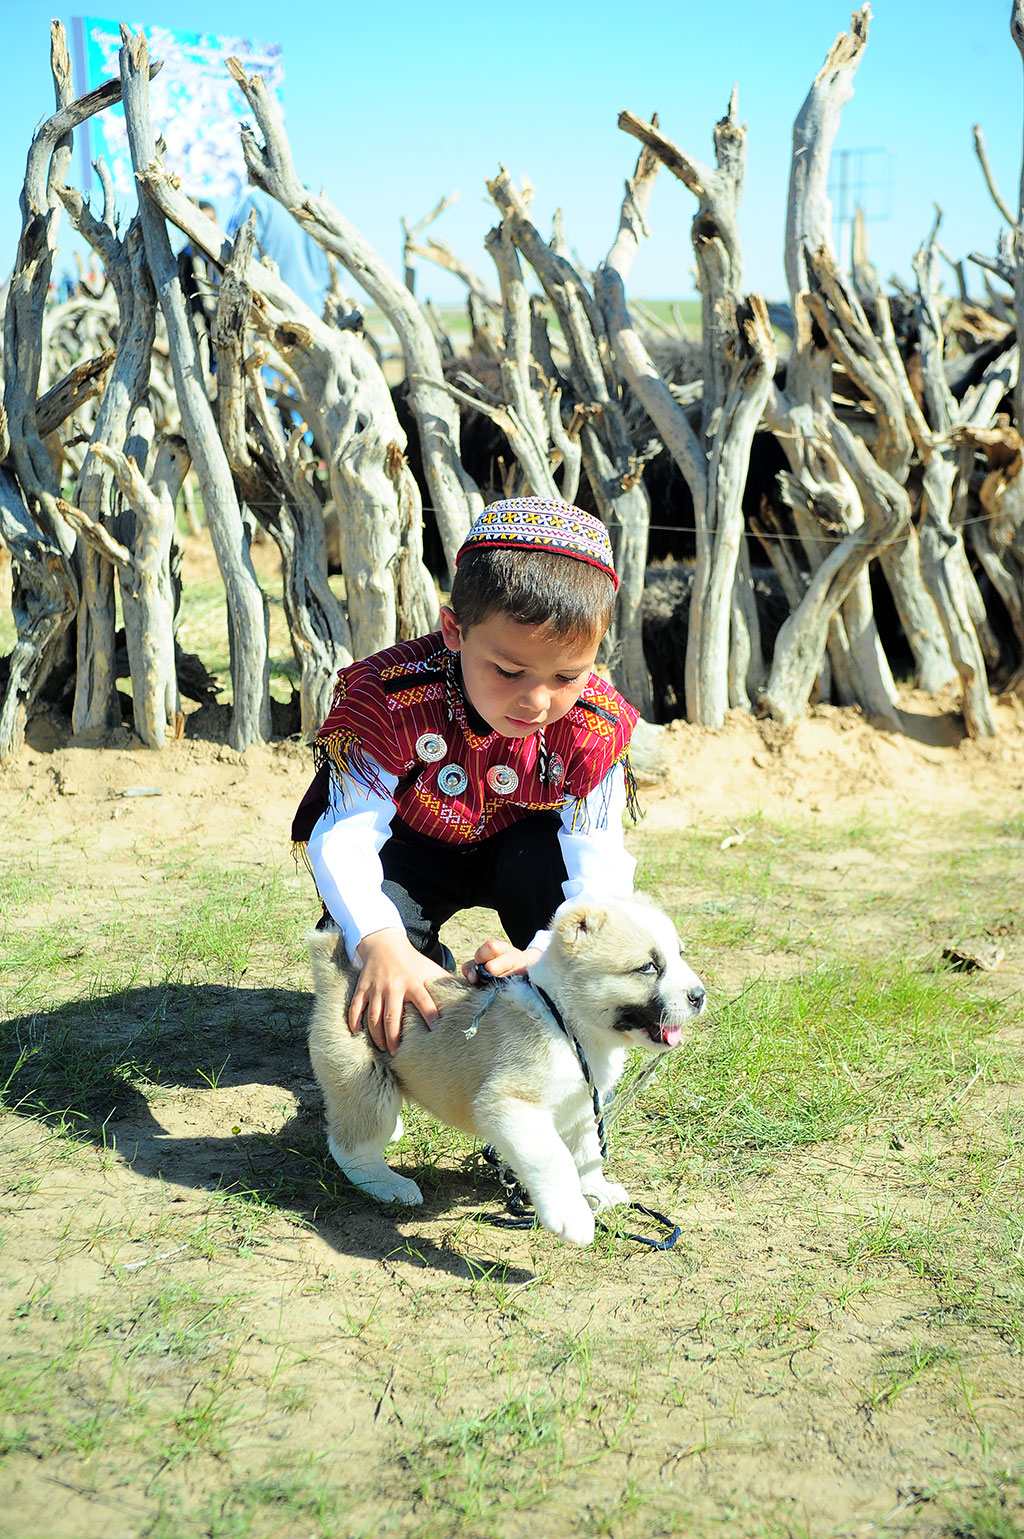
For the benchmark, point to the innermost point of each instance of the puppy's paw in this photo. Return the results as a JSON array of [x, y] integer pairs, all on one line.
[[575, 1224], [396, 1189], [371, 1175], [601, 1194]]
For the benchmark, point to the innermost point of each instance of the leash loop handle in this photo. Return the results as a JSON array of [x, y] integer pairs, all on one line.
[[671, 1236]]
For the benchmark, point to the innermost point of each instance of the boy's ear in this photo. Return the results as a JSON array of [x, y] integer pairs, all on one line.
[[451, 630]]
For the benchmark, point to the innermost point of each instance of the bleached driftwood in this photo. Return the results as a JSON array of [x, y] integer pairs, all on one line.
[[410, 233], [43, 600], [274, 482], [343, 394], [80, 384], [483, 304], [723, 645], [41, 543], [874, 364], [997, 538], [248, 623], [546, 451], [845, 506], [944, 560], [96, 706], [454, 494], [714, 233], [147, 593], [607, 448]]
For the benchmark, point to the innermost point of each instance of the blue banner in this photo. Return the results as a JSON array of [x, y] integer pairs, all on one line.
[[194, 103]]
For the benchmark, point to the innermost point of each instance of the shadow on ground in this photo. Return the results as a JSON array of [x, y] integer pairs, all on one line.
[[130, 1069]]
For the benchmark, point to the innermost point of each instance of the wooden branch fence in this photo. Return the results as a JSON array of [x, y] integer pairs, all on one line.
[[896, 419]]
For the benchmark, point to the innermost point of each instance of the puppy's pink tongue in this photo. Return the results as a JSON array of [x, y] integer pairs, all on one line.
[[671, 1034]]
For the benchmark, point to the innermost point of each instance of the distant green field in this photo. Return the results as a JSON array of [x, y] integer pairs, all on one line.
[[681, 315]]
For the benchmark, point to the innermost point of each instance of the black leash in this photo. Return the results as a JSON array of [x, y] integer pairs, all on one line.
[[520, 1215], [584, 1065]]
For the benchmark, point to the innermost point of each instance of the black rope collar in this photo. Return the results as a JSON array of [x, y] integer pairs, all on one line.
[[520, 1215]]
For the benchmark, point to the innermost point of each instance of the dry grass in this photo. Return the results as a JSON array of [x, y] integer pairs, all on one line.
[[208, 1333]]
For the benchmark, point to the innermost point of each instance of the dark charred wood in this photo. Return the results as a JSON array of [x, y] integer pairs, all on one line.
[[666, 625]]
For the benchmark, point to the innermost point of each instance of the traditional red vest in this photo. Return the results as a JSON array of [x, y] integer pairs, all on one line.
[[403, 710]]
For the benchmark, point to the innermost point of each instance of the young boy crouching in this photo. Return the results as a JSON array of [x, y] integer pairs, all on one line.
[[486, 764]]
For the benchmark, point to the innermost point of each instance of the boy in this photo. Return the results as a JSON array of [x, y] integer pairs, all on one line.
[[485, 764]]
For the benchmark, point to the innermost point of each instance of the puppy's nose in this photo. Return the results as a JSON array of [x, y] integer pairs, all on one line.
[[696, 996]]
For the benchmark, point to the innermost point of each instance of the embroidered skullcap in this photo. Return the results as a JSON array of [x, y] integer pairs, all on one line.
[[540, 523]]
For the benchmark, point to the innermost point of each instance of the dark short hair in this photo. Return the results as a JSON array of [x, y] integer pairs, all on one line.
[[554, 592]]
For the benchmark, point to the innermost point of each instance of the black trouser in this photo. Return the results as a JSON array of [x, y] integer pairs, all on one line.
[[518, 871]]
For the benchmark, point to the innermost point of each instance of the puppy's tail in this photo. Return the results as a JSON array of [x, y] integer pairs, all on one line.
[[361, 1093], [334, 979], [328, 956]]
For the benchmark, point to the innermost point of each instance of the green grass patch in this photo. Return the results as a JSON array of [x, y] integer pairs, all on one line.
[[797, 895], [201, 1317]]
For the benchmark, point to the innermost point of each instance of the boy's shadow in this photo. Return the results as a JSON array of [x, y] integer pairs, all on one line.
[[97, 1070]]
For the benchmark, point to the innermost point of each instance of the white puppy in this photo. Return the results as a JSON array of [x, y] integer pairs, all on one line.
[[500, 1067]]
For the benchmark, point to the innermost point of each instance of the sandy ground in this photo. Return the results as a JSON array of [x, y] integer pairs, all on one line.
[[791, 1439], [832, 763]]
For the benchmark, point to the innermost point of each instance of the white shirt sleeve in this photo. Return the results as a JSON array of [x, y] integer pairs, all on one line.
[[597, 863], [344, 852]]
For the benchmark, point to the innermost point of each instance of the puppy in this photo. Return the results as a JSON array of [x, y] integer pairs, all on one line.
[[498, 1066]]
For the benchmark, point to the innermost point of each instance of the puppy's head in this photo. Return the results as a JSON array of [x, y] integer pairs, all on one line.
[[618, 965]]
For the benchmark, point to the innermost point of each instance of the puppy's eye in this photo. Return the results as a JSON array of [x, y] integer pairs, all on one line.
[[648, 969]]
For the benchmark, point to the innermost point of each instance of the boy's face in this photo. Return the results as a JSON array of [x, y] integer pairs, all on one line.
[[519, 677]]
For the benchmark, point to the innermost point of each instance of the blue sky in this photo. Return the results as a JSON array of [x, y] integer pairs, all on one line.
[[391, 105]]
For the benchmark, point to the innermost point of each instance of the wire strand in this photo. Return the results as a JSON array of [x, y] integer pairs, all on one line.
[[781, 536]]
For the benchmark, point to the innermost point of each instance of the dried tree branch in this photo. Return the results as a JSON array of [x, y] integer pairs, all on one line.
[[45, 601], [454, 494], [247, 610], [274, 482], [723, 663], [1017, 33], [943, 559], [442, 255], [607, 448], [525, 415], [410, 231], [829, 489], [96, 706], [715, 235], [981, 150], [83, 383]]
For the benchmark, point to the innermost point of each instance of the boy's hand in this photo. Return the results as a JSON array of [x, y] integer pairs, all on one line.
[[502, 959], [392, 975]]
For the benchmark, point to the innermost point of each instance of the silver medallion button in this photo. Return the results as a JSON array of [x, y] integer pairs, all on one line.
[[452, 779], [430, 746], [556, 771], [502, 779]]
